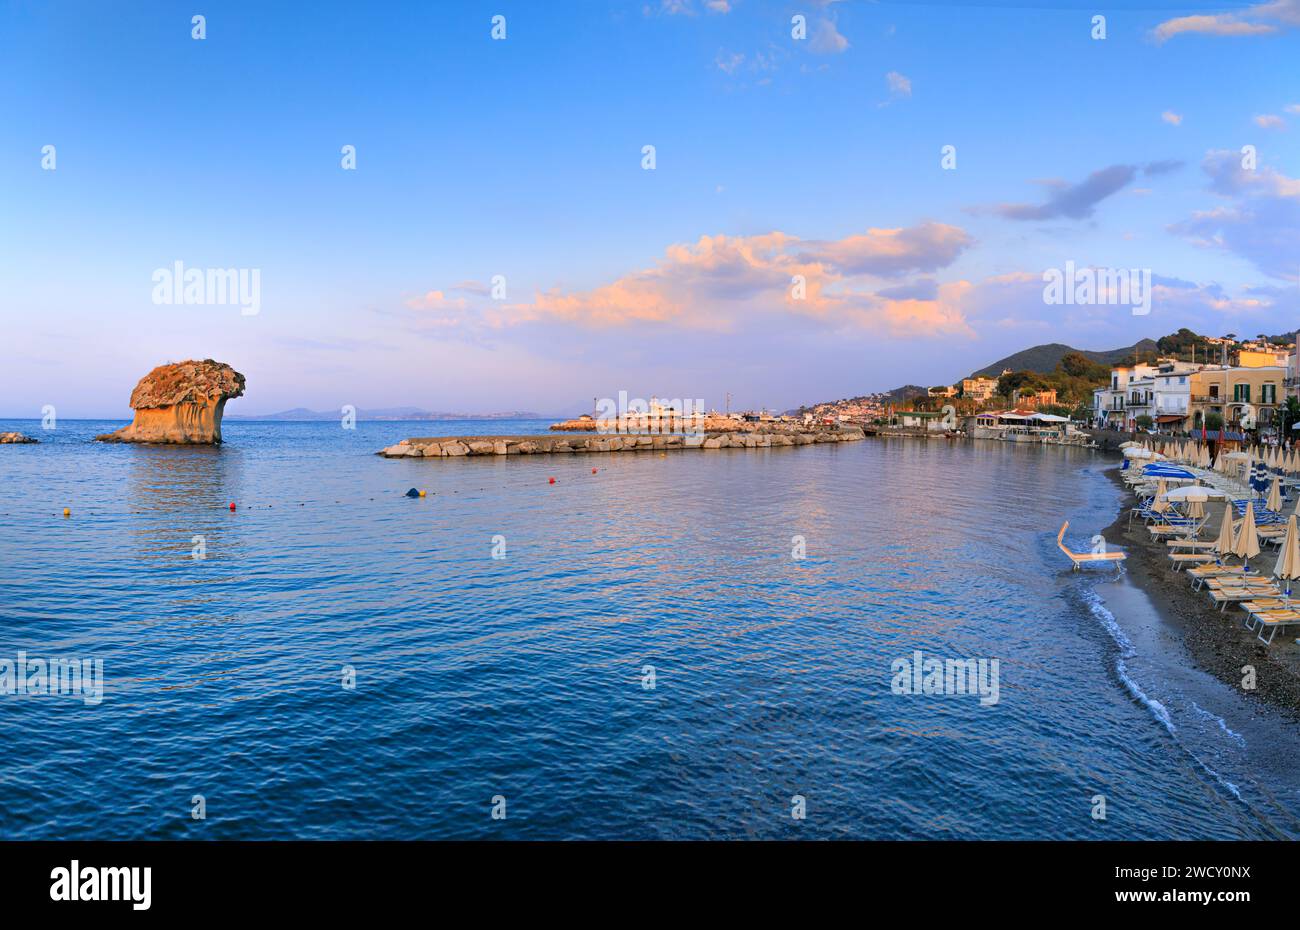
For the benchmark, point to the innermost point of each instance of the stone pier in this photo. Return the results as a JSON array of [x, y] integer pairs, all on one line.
[[456, 446]]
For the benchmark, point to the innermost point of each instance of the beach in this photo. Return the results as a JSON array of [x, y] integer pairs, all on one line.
[[1218, 642]]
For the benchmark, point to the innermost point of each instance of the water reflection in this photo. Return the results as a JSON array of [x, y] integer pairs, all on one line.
[[175, 493]]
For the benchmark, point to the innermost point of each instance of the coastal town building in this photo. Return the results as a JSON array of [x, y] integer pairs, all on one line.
[[1039, 398], [1161, 391], [1245, 397], [979, 390], [1111, 405]]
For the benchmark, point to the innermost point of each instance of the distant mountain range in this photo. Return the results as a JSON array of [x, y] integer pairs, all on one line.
[[388, 413], [1044, 359]]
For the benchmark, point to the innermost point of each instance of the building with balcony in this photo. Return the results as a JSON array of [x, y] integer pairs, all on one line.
[[1245, 397]]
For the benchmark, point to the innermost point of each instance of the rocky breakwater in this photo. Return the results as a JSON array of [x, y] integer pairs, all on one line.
[[14, 439], [457, 446], [180, 403]]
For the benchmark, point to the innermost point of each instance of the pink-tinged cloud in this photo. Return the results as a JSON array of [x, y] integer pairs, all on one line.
[[827, 40], [720, 281], [1260, 19], [1270, 121], [1172, 118], [892, 252], [435, 300]]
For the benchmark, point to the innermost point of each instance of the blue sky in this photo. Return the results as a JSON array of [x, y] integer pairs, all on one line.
[[523, 158]]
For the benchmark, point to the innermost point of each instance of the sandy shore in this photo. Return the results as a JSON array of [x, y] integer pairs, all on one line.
[[1218, 642]]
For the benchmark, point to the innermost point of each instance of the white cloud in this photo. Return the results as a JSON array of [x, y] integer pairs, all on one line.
[[899, 85], [1270, 121], [1261, 222], [1172, 118], [827, 40]]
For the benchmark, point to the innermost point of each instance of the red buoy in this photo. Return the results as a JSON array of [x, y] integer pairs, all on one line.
[[552, 481], [593, 471], [232, 505]]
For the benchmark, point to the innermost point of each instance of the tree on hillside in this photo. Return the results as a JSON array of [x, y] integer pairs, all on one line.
[[1076, 364], [1023, 381]]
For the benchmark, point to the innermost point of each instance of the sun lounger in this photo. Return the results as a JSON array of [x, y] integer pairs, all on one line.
[[1203, 573], [1229, 595], [1271, 620], [1180, 559], [1196, 544], [1083, 558]]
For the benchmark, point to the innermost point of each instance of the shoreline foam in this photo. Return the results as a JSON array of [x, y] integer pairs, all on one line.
[[1218, 643]]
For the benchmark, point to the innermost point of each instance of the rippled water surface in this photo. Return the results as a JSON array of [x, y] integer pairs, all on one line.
[[523, 677]]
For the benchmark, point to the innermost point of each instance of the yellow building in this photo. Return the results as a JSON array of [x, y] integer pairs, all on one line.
[[1246, 396], [1262, 358], [979, 389]]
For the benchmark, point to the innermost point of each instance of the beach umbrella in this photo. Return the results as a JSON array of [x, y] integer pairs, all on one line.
[[1193, 492], [1246, 545], [1196, 509], [1288, 560], [1160, 505], [1223, 545], [1205, 455], [1130, 445], [1275, 495]]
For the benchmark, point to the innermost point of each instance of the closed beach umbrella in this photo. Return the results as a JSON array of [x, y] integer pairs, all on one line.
[[1288, 560], [1275, 495], [1160, 505], [1205, 456], [1246, 545], [1195, 509], [1227, 532]]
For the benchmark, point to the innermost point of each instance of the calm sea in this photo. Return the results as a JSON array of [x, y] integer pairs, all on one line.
[[647, 660]]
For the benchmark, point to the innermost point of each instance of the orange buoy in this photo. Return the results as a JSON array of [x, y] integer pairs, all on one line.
[[232, 505], [552, 481], [67, 511]]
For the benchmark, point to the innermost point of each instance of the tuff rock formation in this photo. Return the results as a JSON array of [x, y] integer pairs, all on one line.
[[181, 403], [14, 438]]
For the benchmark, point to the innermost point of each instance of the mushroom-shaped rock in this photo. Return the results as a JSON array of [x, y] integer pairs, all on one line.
[[181, 403]]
